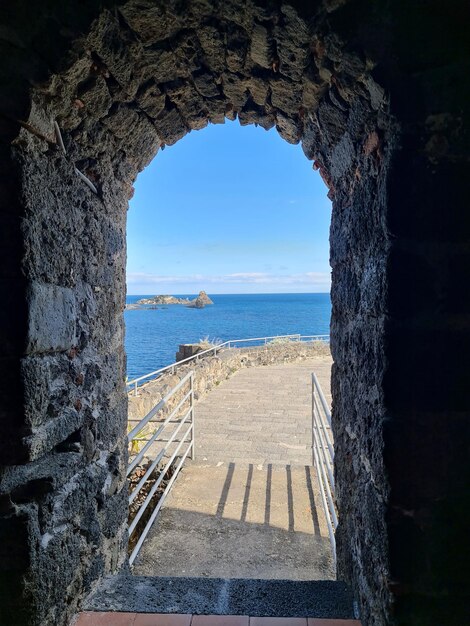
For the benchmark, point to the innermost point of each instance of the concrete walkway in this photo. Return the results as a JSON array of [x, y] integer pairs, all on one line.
[[261, 415], [248, 507]]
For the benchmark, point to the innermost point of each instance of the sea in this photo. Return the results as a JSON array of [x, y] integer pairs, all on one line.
[[153, 335]]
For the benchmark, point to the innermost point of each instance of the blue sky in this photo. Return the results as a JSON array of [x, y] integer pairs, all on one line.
[[229, 209]]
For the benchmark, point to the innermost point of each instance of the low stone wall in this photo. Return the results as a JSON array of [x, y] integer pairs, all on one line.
[[210, 371]]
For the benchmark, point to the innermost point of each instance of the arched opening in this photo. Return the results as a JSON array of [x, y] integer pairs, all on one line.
[[119, 84], [239, 213]]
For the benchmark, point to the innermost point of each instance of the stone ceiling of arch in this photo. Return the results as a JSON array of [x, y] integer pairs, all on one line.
[[146, 74]]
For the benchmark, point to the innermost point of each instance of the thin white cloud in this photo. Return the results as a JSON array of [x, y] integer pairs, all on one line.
[[314, 279], [246, 276]]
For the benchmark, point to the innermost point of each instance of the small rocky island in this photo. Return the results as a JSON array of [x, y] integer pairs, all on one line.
[[150, 303], [163, 300], [201, 301]]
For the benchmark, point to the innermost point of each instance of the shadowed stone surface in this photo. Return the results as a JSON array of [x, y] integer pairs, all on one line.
[[223, 597]]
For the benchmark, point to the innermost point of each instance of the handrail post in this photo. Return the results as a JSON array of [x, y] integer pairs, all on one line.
[[191, 404], [135, 388]]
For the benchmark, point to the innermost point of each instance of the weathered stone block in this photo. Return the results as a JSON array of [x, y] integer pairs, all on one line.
[[57, 470], [55, 431], [206, 86], [285, 95], [151, 98], [258, 89], [52, 318], [292, 41], [170, 126], [150, 21], [161, 67], [109, 42], [235, 91], [213, 46], [260, 51], [288, 129], [122, 121], [237, 49], [95, 95], [111, 514], [189, 102]]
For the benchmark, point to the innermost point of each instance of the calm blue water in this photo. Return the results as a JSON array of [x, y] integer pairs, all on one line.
[[153, 336]]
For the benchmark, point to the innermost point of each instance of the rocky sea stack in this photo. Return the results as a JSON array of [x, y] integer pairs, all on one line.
[[201, 301]]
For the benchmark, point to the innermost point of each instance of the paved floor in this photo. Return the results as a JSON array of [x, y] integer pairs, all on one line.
[[240, 521], [134, 619], [261, 415], [248, 507]]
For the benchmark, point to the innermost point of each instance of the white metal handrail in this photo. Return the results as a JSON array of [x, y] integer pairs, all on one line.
[[174, 418], [231, 343], [323, 458], [157, 433]]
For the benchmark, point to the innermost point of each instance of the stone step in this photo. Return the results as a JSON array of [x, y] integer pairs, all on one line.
[[222, 596], [254, 451], [245, 457]]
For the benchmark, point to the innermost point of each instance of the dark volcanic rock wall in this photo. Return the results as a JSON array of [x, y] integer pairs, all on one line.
[[427, 433], [122, 80]]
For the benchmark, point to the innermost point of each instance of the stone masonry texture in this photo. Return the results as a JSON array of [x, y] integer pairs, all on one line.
[[376, 94]]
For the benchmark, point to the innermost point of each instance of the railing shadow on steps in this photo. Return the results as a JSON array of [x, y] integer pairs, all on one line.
[[165, 454], [323, 458], [226, 345]]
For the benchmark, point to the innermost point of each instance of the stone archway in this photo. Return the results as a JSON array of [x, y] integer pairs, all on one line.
[[122, 82]]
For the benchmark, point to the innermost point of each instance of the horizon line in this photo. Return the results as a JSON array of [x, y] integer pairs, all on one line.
[[239, 293]]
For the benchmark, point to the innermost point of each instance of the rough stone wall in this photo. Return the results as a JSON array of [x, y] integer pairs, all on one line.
[[122, 80], [359, 247], [69, 495]]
